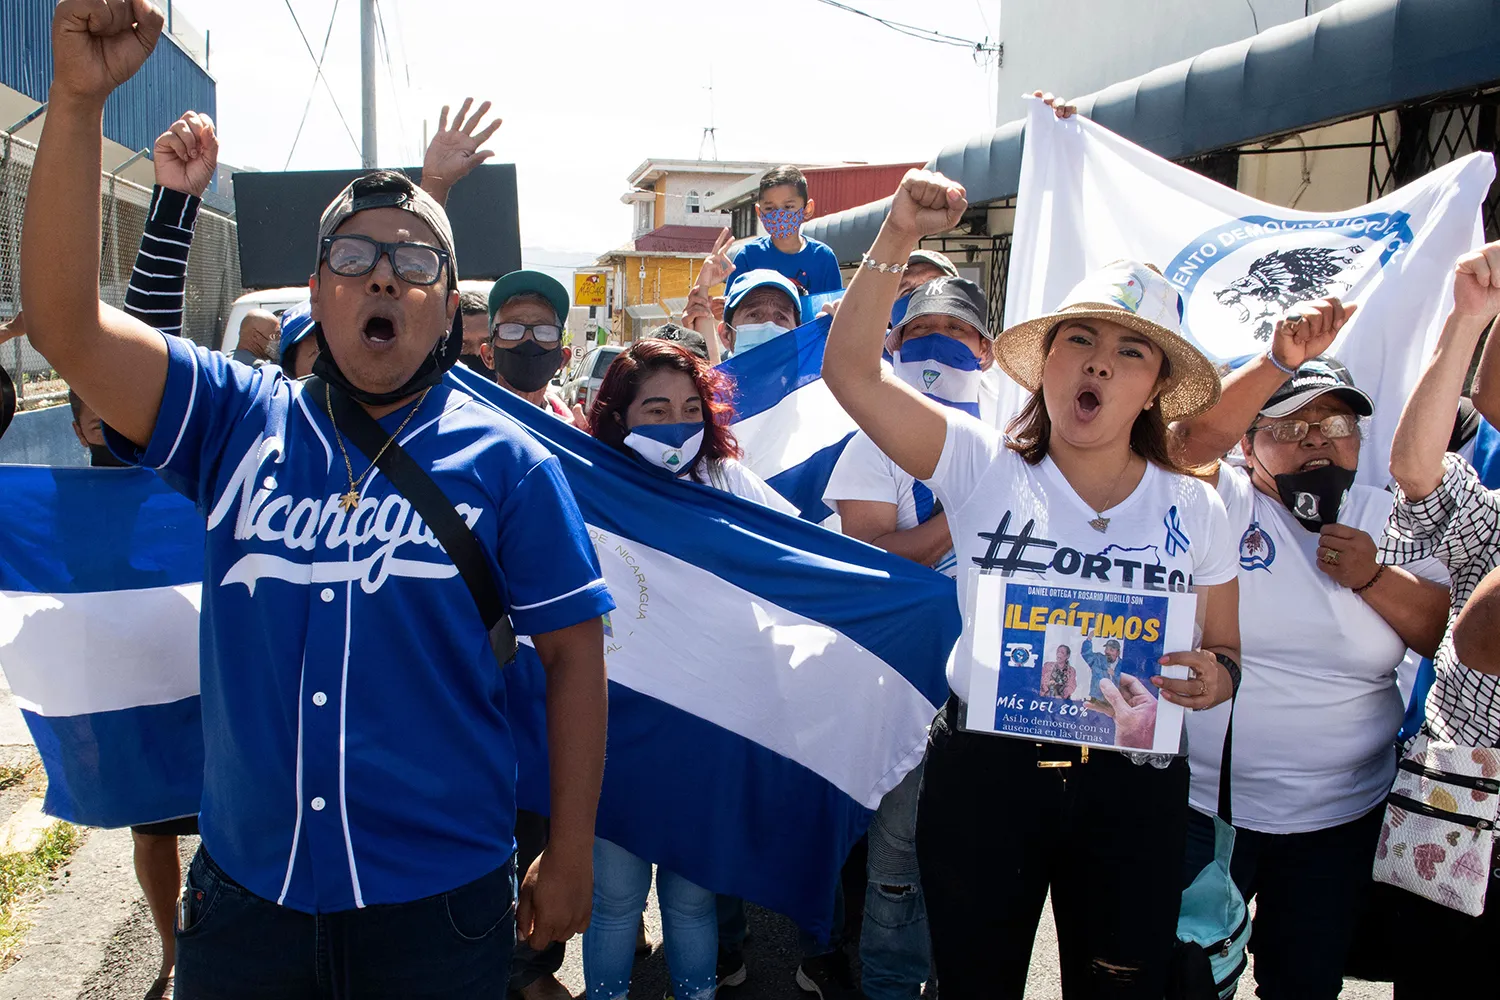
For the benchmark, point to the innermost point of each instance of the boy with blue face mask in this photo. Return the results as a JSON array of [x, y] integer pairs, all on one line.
[[782, 207], [761, 305]]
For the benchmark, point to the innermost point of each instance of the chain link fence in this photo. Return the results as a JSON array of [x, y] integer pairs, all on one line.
[[213, 267]]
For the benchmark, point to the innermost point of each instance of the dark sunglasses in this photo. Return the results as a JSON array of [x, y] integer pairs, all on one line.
[[353, 256], [542, 333]]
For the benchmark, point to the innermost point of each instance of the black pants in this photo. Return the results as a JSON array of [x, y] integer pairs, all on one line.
[[452, 946], [528, 965], [1309, 890], [995, 831]]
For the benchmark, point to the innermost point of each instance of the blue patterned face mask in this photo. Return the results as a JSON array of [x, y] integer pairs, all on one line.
[[942, 369], [672, 447], [783, 222]]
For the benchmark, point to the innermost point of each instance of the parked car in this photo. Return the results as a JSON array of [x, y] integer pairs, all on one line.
[[584, 382], [273, 300]]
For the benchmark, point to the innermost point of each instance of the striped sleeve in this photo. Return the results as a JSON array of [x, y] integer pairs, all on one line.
[[155, 295]]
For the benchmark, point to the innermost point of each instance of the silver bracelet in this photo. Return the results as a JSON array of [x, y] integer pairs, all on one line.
[[865, 260], [1271, 356]]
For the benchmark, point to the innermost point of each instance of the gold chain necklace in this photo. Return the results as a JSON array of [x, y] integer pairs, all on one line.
[[1100, 523], [350, 500]]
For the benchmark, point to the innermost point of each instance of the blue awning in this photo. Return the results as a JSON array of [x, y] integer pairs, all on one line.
[[1354, 58]]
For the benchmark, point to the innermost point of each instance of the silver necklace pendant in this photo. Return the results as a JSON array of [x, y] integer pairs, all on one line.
[[1100, 524]]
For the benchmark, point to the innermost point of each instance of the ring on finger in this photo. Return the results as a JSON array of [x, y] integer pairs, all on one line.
[[1330, 557]]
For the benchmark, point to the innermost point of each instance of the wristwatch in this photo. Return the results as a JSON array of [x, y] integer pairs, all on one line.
[[1234, 671]]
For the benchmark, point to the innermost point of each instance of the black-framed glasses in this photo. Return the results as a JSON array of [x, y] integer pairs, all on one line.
[[1340, 425], [542, 333], [414, 263]]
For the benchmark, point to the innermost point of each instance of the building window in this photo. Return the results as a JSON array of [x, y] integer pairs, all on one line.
[[694, 206], [742, 221], [643, 213]]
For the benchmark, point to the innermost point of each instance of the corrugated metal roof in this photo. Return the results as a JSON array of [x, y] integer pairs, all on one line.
[[835, 189], [1354, 58], [679, 239], [169, 84]]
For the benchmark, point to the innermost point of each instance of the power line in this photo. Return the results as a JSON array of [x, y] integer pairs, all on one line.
[[313, 90], [912, 31], [318, 63], [385, 46]]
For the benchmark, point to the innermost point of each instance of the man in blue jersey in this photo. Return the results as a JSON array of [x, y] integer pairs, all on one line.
[[359, 773]]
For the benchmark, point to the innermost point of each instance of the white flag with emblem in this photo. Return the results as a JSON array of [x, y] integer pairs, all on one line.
[[1088, 197]]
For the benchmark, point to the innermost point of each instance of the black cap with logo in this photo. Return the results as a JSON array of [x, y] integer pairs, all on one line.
[[1315, 378]]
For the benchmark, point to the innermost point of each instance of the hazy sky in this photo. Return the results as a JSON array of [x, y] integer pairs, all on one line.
[[591, 88]]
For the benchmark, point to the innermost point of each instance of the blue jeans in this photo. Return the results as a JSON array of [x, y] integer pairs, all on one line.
[[238, 946], [894, 948], [690, 932]]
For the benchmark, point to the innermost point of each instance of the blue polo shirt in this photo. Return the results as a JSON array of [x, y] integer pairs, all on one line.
[[814, 267], [354, 718]]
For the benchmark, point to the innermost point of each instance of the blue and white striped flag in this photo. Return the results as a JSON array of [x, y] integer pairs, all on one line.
[[100, 574], [791, 428], [760, 667]]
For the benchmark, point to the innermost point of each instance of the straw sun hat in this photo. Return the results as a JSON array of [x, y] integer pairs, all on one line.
[[1135, 296]]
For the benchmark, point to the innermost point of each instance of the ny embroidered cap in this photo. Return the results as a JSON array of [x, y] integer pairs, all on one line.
[[959, 298], [1315, 378], [296, 324], [529, 283], [760, 278], [933, 259], [1137, 297]]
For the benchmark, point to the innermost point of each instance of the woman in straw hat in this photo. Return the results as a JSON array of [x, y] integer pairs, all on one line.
[[1082, 492]]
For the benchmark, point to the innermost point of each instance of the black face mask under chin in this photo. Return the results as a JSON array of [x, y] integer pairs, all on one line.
[[476, 363], [1315, 497], [527, 366], [430, 372], [100, 457]]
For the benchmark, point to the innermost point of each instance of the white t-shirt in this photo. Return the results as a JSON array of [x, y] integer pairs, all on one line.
[[1318, 708], [1025, 520], [732, 477], [863, 472]]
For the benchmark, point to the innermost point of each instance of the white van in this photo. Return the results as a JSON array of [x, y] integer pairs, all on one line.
[[273, 300]]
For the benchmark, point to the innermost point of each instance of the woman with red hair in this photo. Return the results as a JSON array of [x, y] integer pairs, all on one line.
[[668, 409], [671, 410]]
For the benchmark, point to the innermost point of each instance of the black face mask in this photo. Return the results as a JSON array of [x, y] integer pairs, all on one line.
[[431, 371], [527, 366], [1315, 497], [100, 457], [476, 363]]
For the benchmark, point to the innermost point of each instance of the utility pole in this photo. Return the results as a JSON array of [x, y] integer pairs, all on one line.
[[369, 152]]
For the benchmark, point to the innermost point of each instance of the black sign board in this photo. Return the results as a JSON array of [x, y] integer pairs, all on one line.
[[278, 217]]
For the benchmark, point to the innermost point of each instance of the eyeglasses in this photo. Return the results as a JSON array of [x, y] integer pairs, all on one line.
[[414, 263], [542, 333], [1340, 425]]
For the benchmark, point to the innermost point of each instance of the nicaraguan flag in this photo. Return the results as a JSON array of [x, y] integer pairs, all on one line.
[[100, 574], [770, 680], [942, 369], [787, 422]]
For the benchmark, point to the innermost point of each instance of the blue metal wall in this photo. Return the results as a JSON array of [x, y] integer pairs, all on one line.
[[169, 84]]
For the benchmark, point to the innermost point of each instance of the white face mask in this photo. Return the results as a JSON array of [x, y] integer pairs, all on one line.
[[752, 335], [667, 446]]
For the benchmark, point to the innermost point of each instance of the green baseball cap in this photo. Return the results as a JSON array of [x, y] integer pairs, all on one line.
[[532, 283]]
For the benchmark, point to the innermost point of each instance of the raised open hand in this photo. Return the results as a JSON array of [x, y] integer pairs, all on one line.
[[454, 152], [187, 154], [717, 266], [925, 204], [99, 44]]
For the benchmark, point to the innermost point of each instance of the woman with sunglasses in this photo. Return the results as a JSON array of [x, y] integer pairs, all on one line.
[[1081, 490], [1324, 626], [668, 409]]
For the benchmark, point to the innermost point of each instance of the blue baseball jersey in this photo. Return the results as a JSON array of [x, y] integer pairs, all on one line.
[[814, 267], [354, 718]]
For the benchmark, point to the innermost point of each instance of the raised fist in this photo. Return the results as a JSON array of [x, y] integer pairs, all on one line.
[[99, 44], [1476, 283], [187, 154], [1308, 329], [926, 204]]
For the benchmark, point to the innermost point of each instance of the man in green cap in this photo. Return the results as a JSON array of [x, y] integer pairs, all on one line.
[[525, 348]]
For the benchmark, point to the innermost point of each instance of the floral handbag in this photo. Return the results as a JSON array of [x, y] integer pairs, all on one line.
[[1439, 828]]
